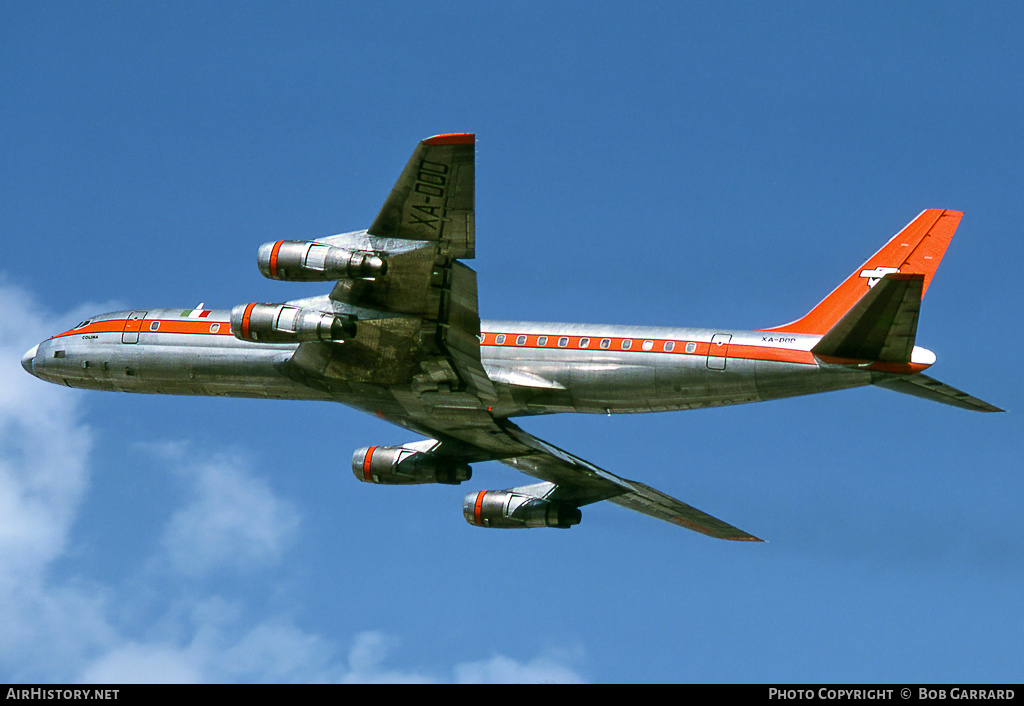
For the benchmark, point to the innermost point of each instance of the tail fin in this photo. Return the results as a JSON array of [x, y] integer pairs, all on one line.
[[915, 250]]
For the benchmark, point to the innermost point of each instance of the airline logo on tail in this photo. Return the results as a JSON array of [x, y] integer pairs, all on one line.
[[877, 274]]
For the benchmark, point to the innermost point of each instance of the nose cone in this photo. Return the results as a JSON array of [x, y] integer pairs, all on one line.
[[30, 355]]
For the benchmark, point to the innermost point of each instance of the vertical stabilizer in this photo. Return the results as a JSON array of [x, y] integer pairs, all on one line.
[[915, 250]]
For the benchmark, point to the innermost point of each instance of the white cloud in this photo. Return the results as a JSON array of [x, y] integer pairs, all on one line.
[[134, 663], [499, 669], [213, 642], [232, 521], [370, 649], [366, 662], [44, 446], [44, 452]]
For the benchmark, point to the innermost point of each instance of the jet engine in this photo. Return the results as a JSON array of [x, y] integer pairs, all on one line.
[[517, 508], [400, 465], [283, 323], [310, 261]]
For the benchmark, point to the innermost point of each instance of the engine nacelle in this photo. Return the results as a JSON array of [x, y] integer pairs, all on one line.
[[283, 323], [309, 261], [513, 509], [399, 465]]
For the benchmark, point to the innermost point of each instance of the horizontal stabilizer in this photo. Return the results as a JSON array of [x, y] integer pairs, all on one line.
[[932, 389], [881, 326]]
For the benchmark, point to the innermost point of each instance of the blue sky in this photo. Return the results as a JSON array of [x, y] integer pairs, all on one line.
[[701, 164]]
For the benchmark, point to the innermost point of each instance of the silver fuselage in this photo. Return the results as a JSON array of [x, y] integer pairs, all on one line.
[[536, 368]]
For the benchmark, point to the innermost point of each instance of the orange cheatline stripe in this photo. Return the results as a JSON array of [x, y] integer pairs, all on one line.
[[176, 325], [453, 138], [736, 350], [110, 326], [701, 348]]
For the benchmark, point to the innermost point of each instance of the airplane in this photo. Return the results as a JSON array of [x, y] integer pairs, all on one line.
[[399, 336]]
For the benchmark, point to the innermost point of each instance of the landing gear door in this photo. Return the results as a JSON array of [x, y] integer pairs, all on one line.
[[131, 327], [718, 351]]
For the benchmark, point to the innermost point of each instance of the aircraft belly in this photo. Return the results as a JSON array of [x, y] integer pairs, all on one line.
[[776, 379], [612, 387], [621, 383], [687, 382]]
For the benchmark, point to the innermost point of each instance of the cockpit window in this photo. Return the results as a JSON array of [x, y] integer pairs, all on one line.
[[83, 324]]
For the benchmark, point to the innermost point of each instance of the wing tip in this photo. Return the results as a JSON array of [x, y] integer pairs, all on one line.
[[729, 532], [452, 138]]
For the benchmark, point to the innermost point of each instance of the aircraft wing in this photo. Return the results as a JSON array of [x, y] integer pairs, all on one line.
[[419, 326], [415, 360], [433, 198], [569, 479], [580, 483]]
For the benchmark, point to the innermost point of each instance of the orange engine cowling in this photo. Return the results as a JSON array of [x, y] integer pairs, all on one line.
[[283, 323], [310, 261], [399, 465], [517, 508]]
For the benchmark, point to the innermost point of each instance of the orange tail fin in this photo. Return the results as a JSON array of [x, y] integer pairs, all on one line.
[[917, 249]]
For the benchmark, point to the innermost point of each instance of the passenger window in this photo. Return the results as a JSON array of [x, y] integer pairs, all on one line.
[[154, 325], [563, 342], [691, 347], [605, 342], [627, 344], [214, 328], [648, 345], [542, 341], [520, 340], [584, 343], [499, 339], [670, 346]]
